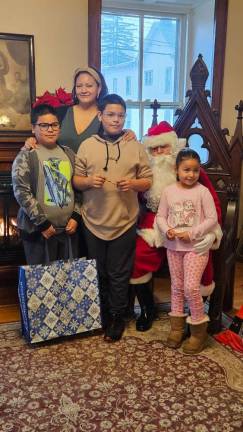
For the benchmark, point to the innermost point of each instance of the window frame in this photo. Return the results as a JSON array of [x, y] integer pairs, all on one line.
[[220, 32], [180, 70]]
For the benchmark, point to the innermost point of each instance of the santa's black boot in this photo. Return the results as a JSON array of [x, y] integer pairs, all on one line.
[[129, 314], [146, 302]]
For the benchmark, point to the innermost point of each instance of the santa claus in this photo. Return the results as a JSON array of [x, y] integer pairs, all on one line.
[[162, 145]]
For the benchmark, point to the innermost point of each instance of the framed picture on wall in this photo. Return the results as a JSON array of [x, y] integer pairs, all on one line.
[[17, 83]]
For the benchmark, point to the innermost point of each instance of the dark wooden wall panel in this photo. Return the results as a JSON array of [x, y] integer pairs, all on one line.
[[94, 33], [220, 20]]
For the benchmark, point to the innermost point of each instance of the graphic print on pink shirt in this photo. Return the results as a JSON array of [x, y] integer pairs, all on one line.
[[181, 214]]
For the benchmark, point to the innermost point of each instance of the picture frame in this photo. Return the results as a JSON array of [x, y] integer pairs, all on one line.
[[17, 83]]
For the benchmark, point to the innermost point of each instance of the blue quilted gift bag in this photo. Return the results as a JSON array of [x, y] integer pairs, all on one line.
[[59, 299]]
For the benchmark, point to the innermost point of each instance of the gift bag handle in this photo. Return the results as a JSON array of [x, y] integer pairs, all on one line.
[[70, 251]]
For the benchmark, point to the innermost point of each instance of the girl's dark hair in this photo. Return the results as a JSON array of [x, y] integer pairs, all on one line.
[[111, 99], [104, 88], [40, 110], [187, 153]]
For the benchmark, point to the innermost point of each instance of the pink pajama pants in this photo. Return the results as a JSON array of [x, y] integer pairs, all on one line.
[[186, 269]]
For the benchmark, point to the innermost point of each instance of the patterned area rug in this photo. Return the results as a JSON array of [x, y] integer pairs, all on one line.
[[83, 384]]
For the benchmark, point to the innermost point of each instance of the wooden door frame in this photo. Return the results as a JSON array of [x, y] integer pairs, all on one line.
[[220, 31], [94, 33]]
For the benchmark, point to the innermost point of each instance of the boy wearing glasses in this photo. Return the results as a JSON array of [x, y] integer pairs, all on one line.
[[49, 211], [110, 172]]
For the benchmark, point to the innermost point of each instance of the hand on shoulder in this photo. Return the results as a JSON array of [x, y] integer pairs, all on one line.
[[129, 135], [30, 144]]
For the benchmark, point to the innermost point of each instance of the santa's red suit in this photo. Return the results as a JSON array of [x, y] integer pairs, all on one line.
[[150, 253]]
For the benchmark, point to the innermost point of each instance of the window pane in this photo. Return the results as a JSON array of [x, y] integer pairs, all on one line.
[[128, 86], [115, 85], [166, 114], [120, 53], [195, 142], [132, 120], [148, 78], [159, 58], [140, 62]]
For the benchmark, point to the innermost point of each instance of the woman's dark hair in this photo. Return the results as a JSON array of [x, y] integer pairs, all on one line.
[[186, 153], [104, 88], [111, 99], [40, 110]]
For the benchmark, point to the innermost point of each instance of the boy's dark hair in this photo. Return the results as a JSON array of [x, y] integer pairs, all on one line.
[[113, 99], [187, 153], [40, 110]]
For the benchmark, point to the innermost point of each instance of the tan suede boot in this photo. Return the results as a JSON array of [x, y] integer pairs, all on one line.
[[175, 337], [197, 341]]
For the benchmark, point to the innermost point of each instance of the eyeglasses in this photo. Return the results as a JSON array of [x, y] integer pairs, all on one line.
[[45, 126], [112, 115]]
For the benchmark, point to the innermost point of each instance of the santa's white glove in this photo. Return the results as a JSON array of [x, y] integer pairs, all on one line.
[[203, 246]]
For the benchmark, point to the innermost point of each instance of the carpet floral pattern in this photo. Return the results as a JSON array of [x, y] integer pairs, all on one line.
[[135, 385]]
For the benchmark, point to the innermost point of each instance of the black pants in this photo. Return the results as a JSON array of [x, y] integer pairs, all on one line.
[[57, 245], [115, 263], [82, 247]]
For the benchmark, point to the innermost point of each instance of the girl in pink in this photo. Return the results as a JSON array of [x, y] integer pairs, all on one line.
[[186, 213]]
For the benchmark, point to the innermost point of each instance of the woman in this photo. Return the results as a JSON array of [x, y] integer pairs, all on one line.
[[80, 121]]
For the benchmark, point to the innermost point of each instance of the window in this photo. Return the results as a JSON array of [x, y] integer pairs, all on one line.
[[168, 80], [115, 85], [128, 86], [145, 52], [128, 120], [148, 78]]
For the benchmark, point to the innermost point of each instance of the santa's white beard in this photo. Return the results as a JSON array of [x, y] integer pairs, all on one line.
[[163, 168]]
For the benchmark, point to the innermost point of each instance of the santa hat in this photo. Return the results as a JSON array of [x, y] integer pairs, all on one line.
[[162, 134]]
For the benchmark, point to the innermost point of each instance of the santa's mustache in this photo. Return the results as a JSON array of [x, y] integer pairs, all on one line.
[[162, 160]]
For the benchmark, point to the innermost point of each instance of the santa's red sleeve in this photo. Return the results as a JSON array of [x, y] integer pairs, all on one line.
[[204, 180]]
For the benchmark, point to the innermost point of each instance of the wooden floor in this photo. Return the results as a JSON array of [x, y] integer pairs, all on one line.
[[161, 293], [162, 288]]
